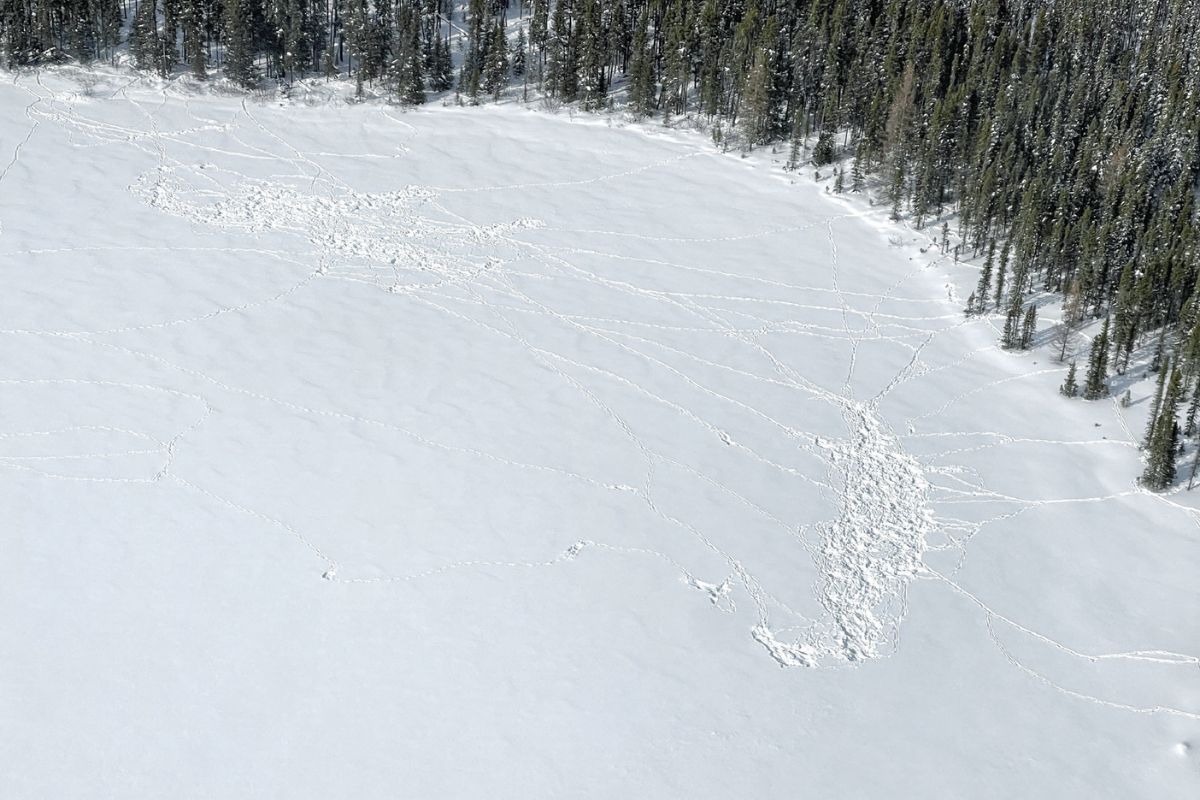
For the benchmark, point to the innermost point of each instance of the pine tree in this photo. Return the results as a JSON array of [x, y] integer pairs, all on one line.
[[1001, 274], [593, 87], [151, 45], [825, 152], [1010, 338], [1069, 387], [755, 103], [1193, 409], [896, 190], [857, 176], [474, 62], [539, 32], [1095, 383], [143, 36], [519, 54], [193, 37], [1072, 309], [1160, 388], [641, 69], [1191, 353], [408, 64], [296, 36], [441, 72], [496, 65], [897, 134], [1164, 443], [239, 43], [985, 281], [357, 27], [1195, 467], [712, 85], [1028, 327], [1125, 311], [560, 61]]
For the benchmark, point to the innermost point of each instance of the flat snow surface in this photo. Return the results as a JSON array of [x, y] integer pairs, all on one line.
[[491, 453]]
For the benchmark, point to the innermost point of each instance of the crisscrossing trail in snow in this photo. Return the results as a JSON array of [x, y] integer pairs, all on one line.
[[703, 354], [866, 555]]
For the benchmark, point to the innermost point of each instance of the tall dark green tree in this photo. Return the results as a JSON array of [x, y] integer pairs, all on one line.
[[496, 65], [591, 56], [1095, 383], [408, 64], [642, 91], [1163, 444], [1070, 387], [240, 27]]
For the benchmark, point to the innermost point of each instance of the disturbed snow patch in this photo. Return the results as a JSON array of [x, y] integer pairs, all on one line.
[[869, 554], [397, 240]]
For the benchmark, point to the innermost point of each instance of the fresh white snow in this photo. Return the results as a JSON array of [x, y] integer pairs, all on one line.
[[491, 452]]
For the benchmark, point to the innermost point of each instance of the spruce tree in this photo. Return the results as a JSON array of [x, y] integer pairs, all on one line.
[[641, 69], [193, 37], [593, 87], [1001, 274], [239, 43], [985, 281], [519, 54], [1072, 314], [1163, 446], [1069, 387], [712, 85], [755, 104], [1191, 353], [1028, 327], [1095, 383], [539, 31], [408, 65], [857, 177], [441, 73], [496, 65], [1010, 337], [1195, 467], [143, 36], [1125, 311], [470, 78], [560, 78], [676, 62], [1193, 409], [1160, 388]]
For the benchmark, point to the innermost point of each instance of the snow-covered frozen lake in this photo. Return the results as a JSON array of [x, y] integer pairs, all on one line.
[[493, 453]]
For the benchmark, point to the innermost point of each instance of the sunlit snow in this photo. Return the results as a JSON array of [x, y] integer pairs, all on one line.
[[490, 452]]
